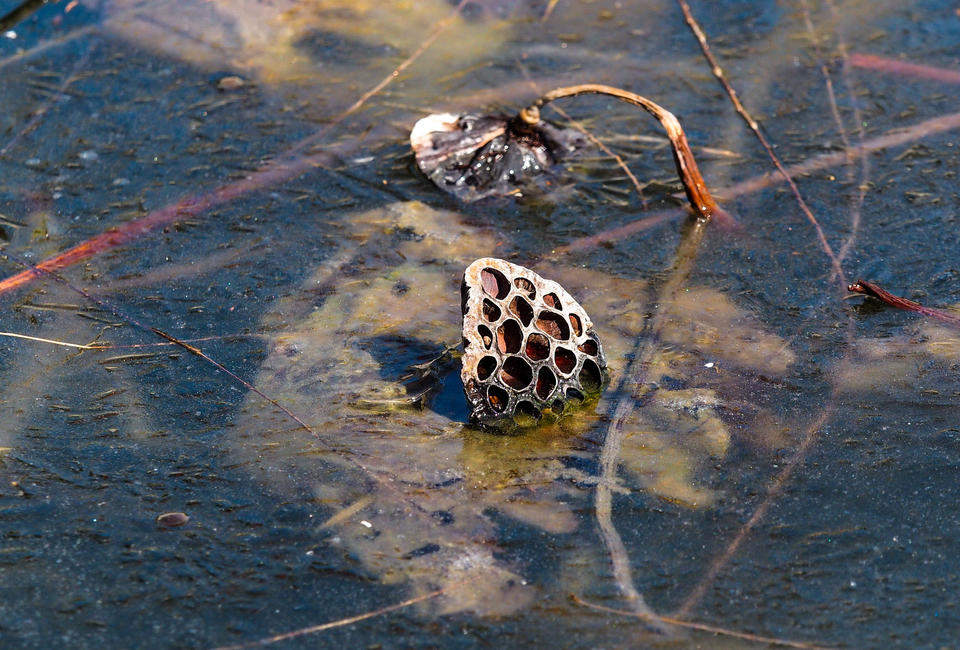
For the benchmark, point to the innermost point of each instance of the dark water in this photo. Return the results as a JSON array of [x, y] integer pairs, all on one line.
[[792, 473]]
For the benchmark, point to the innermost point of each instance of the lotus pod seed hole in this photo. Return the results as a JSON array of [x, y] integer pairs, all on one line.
[[526, 287], [553, 324], [565, 360], [516, 373], [576, 325], [526, 414], [522, 310], [485, 367], [497, 397], [509, 337], [485, 335], [490, 311], [573, 395], [590, 377], [552, 300], [546, 382], [538, 347], [494, 283], [588, 347]]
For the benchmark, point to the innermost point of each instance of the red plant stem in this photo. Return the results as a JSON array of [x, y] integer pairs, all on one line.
[[893, 66], [693, 184], [288, 166], [890, 139], [884, 296], [192, 206]]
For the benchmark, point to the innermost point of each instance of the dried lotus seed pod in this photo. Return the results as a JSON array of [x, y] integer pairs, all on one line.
[[529, 347]]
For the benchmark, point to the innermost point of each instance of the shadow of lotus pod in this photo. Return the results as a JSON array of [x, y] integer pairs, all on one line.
[[540, 366]]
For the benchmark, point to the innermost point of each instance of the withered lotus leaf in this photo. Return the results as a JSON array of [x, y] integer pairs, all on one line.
[[474, 157], [478, 156], [538, 366]]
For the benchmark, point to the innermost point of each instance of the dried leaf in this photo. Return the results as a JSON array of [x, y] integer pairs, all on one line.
[[474, 157]]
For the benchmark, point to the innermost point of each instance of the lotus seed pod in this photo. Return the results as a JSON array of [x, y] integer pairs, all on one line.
[[530, 350]]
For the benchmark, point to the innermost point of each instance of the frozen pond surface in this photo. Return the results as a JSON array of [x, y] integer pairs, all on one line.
[[237, 174]]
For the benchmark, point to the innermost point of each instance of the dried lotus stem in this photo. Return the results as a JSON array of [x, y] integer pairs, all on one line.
[[694, 186], [884, 296]]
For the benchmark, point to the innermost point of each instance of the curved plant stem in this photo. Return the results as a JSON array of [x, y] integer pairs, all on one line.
[[592, 138], [884, 296], [697, 193], [892, 138]]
